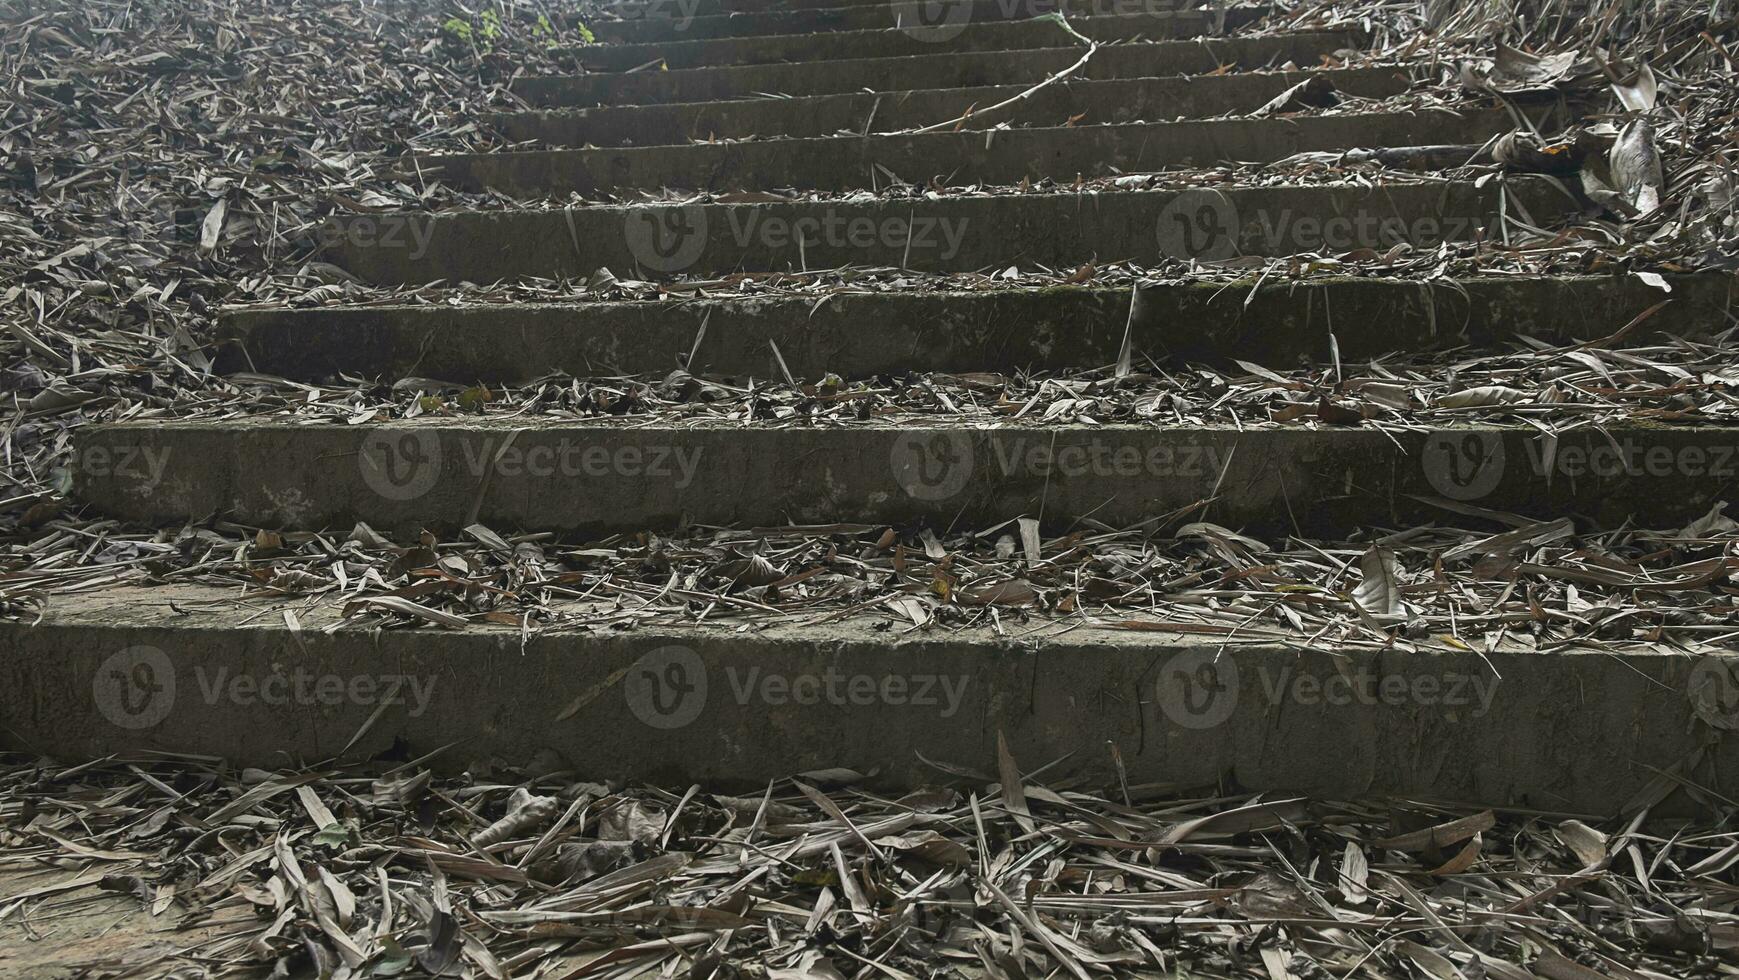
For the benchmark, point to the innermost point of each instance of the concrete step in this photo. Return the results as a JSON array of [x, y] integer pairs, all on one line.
[[632, 474], [969, 69], [690, 10], [1091, 103], [674, 22], [183, 668], [889, 42], [859, 335], [846, 163], [678, 9], [958, 233]]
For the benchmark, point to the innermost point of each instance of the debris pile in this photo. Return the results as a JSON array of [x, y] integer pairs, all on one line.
[[389, 869]]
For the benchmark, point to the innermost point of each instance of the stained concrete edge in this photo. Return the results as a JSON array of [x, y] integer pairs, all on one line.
[[890, 41], [1113, 100], [604, 475], [1062, 153], [858, 335], [939, 70], [955, 233], [188, 668]]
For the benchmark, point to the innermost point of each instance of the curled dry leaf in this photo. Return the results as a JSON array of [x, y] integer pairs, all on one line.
[[1640, 93], [1315, 92], [1379, 590], [525, 813], [1527, 152], [1588, 844], [1636, 166], [1484, 396]]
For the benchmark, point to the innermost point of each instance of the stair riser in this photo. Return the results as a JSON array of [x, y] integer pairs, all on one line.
[[681, 20], [677, 9], [847, 163], [1578, 731], [927, 71], [889, 42], [861, 335], [954, 234], [1090, 103], [597, 479]]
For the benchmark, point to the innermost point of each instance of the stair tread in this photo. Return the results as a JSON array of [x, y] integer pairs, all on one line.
[[594, 476], [1055, 228], [844, 163], [895, 42], [859, 333], [678, 25], [1102, 101], [942, 69], [226, 676]]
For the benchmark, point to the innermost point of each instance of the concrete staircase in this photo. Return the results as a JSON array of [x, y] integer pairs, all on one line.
[[1576, 730]]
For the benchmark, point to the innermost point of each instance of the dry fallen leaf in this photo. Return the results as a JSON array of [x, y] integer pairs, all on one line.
[[1636, 166]]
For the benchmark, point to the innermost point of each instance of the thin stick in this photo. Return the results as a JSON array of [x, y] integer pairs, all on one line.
[[1008, 102], [1092, 46]]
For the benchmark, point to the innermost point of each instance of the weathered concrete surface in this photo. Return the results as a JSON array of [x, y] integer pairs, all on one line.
[[1572, 730], [1090, 103], [888, 42], [863, 334], [997, 157], [934, 70], [604, 476], [88, 930], [961, 233], [668, 9], [656, 10], [680, 20]]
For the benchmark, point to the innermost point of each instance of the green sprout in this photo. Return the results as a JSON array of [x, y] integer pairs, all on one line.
[[458, 28]]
